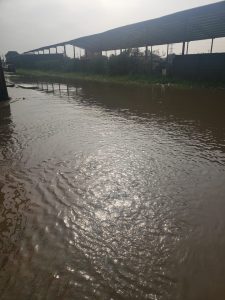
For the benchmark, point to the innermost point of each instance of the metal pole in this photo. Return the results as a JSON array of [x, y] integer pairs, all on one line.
[[151, 59], [56, 50], [187, 47], [74, 52], [65, 50], [183, 48], [167, 53], [146, 52], [3, 88], [211, 50], [49, 51]]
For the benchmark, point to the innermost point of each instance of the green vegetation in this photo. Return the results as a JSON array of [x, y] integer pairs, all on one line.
[[130, 67], [128, 62], [123, 79], [140, 80]]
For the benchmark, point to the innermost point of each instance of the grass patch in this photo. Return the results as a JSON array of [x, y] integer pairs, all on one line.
[[139, 80]]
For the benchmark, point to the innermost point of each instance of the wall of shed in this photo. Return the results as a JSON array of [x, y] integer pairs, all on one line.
[[200, 66], [33, 61]]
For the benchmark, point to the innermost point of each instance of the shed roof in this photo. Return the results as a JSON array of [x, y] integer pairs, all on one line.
[[204, 22]]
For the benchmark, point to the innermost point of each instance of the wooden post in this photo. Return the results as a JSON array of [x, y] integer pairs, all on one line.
[[211, 50], [3, 88], [183, 48]]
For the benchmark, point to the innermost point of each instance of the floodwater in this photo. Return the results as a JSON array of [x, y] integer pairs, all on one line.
[[111, 192]]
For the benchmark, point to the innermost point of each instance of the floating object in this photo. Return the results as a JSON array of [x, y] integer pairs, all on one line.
[[10, 84], [28, 86]]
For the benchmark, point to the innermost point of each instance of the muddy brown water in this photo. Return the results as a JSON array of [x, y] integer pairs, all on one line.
[[110, 192]]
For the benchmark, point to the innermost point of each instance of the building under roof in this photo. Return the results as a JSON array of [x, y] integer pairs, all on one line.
[[205, 22]]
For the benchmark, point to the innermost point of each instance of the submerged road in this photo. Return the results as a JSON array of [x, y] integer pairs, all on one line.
[[112, 193]]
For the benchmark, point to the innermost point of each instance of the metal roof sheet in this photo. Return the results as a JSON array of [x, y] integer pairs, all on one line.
[[204, 22]]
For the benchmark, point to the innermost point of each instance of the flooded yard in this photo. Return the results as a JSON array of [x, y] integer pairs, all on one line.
[[111, 192]]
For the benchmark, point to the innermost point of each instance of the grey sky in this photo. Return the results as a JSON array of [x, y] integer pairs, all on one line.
[[28, 24]]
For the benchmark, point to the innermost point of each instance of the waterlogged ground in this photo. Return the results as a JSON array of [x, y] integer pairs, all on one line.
[[112, 192]]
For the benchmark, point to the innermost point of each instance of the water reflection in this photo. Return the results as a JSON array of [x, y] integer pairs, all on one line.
[[200, 112]]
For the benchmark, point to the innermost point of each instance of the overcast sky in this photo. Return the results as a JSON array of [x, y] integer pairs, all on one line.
[[28, 24]]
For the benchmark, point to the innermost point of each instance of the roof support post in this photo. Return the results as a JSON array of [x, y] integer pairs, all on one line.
[[49, 51], [56, 50], [3, 88], [151, 59], [187, 48], [183, 48], [167, 53], [146, 52], [212, 42], [74, 52], [65, 50]]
